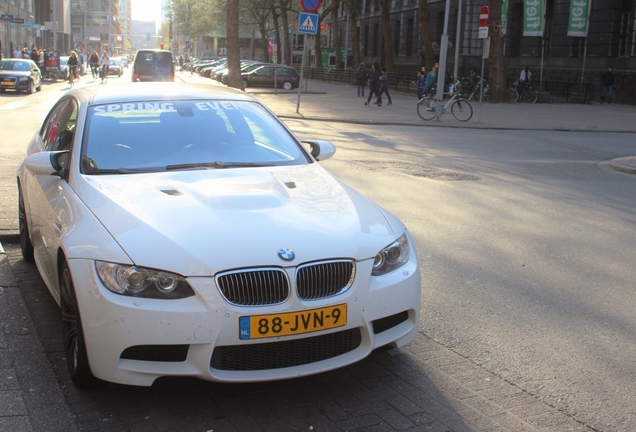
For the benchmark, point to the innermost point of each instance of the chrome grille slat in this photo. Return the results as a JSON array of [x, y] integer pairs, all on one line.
[[324, 279], [254, 287]]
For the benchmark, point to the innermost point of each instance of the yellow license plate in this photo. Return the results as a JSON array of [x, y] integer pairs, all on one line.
[[7, 83], [291, 323]]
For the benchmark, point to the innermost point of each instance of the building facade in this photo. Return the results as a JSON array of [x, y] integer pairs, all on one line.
[[610, 40]]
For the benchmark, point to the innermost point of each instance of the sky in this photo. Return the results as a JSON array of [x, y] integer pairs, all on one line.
[[147, 10]]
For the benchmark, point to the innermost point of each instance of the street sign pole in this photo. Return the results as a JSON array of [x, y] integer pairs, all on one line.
[[302, 69]]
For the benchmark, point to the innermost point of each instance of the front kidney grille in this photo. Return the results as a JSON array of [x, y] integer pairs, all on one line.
[[254, 287], [324, 279], [276, 355], [267, 286]]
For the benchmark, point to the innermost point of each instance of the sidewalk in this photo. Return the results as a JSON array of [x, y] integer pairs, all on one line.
[[30, 397]]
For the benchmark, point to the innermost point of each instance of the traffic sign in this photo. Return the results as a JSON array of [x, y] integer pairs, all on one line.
[[310, 6], [307, 23], [484, 14]]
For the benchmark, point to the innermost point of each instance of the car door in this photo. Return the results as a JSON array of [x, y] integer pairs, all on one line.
[[263, 77], [45, 193]]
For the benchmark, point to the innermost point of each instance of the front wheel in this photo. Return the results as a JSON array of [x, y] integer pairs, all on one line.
[[426, 108], [462, 110], [513, 95], [287, 85], [532, 96], [73, 334], [23, 227]]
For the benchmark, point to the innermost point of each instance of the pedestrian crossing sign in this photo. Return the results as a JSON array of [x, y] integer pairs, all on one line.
[[307, 23]]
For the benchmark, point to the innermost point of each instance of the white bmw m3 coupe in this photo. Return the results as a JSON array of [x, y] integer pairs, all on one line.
[[185, 231]]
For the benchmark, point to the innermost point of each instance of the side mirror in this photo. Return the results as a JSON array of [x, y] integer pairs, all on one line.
[[321, 150], [48, 163]]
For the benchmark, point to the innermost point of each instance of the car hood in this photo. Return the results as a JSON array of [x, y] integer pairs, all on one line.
[[198, 223]]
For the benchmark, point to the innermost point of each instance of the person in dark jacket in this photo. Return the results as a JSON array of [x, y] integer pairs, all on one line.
[[384, 87], [361, 79], [608, 84], [374, 82]]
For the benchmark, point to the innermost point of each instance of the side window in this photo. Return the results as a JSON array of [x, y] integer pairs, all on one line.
[[59, 126], [266, 71]]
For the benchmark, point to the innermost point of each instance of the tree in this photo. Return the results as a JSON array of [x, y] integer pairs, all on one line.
[[496, 64], [425, 31], [335, 5], [233, 47], [386, 30], [352, 6]]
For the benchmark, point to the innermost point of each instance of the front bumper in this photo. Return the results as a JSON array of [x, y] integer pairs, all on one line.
[[14, 84], [135, 341]]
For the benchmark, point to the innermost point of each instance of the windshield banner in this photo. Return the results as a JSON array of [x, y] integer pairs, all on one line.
[[579, 17], [533, 17]]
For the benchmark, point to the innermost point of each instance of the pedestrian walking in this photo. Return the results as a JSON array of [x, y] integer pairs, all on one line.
[[374, 82], [420, 82], [361, 79], [384, 87], [431, 80], [608, 83]]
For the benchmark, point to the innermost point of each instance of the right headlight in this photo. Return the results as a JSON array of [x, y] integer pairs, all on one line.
[[391, 257], [141, 282]]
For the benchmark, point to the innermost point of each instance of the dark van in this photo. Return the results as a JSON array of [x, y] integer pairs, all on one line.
[[153, 65]]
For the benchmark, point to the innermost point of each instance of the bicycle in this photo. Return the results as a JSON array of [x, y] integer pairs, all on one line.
[[525, 94], [475, 81], [104, 73], [72, 75], [459, 107], [94, 72]]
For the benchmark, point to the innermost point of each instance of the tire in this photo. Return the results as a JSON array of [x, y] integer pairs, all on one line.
[[31, 88], [426, 108], [532, 96], [462, 110], [73, 334], [288, 86], [513, 95], [23, 228], [39, 87], [245, 84]]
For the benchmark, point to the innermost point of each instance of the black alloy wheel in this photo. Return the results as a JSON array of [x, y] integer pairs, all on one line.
[[73, 335]]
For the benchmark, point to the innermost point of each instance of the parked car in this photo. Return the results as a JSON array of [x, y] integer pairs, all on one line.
[[185, 231], [20, 75], [244, 68], [153, 65], [286, 77], [124, 61], [115, 67]]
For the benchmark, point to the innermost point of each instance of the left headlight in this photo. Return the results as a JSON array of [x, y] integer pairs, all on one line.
[[391, 257], [24, 79], [140, 282]]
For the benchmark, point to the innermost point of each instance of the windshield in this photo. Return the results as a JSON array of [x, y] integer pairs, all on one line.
[[158, 136], [12, 65]]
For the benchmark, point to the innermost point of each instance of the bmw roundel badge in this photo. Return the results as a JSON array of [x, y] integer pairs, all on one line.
[[286, 254]]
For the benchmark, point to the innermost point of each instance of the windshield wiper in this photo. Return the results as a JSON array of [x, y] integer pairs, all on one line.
[[217, 165]]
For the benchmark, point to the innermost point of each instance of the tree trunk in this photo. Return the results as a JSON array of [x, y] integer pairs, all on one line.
[[275, 16], [496, 64], [355, 35], [336, 32], [233, 48], [426, 50], [388, 39], [284, 5]]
